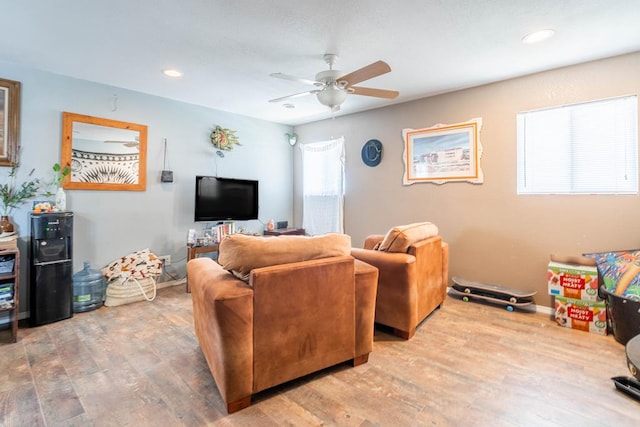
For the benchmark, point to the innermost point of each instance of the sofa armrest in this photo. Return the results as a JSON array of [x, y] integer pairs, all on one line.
[[432, 257], [383, 260], [445, 263], [432, 266], [394, 268], [366, 291], [223, 322], [397, 294]]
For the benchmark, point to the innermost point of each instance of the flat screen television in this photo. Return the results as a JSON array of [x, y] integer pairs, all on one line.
[[220, 199]]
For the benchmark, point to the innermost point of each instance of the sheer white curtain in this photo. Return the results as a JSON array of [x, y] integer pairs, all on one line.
[[323, 186]]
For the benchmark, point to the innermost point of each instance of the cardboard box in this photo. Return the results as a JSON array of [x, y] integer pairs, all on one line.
[[589, 316], [573, 281]]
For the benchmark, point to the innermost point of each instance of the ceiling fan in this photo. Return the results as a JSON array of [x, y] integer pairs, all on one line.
[[333, 87], [130, 144]]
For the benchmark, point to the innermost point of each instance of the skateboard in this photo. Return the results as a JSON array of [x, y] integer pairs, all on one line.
[[508, 297], [628, 385]]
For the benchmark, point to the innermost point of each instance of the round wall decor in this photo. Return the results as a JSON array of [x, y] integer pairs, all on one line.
[[372, 152]]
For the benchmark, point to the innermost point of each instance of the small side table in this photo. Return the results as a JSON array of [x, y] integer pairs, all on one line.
[[193, 251], [285, 232]]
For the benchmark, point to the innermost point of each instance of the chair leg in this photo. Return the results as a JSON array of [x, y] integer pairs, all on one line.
[[407, 335], [360, 360], [238, 404]]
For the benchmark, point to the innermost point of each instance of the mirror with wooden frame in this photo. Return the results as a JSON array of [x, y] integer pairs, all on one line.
[[103, 154], [9, 122]]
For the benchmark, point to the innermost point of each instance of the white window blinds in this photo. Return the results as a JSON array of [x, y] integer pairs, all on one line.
[[588, 148]]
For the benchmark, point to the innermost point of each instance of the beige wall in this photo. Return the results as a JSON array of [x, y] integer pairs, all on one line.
[[495, 235]]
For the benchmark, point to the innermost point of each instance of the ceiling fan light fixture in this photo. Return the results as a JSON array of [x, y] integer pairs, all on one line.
[[331, 96], [332, 86]]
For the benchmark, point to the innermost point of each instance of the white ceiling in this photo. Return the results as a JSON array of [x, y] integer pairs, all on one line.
[[228, 48]]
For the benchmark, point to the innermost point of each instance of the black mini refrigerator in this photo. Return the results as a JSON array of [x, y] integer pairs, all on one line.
[[51, 272]]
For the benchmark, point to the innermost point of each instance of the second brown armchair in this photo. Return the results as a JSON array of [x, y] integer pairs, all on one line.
[[413, 265]]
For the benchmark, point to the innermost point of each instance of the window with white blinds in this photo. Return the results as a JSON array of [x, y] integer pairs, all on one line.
[[587, 148]]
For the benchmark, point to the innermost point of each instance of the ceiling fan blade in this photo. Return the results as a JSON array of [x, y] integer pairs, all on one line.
[[380, 93], [370, 71], [129, 144], [296, 79], [295, 95]]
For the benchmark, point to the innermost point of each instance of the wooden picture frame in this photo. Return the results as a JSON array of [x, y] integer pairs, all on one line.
[[443, 153], [103, 154], [9, 122]]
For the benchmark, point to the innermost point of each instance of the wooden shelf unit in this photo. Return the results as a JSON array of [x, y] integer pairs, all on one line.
[[12, 277]]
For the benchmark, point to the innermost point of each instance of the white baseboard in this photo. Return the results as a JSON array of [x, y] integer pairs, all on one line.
[[168, 283], [544, 309]]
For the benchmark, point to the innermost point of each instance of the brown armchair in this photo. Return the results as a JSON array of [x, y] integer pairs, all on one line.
[[289, 320], [413, 268]]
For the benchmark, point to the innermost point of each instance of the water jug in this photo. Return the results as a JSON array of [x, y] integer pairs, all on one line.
[[88, 289]]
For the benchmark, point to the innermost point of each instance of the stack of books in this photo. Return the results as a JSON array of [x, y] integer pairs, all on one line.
[[6, 295], [224, 229]]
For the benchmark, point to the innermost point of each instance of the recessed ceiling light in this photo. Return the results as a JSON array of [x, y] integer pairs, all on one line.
[[171, 72], [538, 36]]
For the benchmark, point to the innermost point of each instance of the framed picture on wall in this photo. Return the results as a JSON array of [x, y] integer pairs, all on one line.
[[9, 122], [443, 153]]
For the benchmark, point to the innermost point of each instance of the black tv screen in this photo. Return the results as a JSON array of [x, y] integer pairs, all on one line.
[[220, 199]]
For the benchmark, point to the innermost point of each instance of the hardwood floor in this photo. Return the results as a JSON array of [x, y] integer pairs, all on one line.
[[469, 364]]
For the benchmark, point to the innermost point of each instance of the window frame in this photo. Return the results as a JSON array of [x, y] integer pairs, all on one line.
[[571, 157]]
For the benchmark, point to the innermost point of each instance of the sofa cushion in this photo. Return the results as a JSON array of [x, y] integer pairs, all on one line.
[[240, 253], [399, 238]]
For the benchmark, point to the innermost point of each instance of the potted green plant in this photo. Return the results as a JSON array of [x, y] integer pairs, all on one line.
[[14, 195], [59, 174]]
